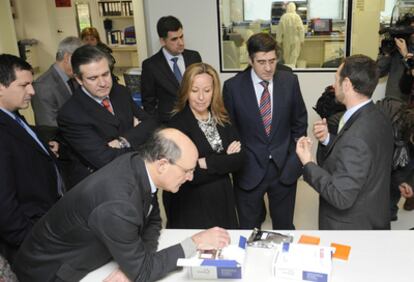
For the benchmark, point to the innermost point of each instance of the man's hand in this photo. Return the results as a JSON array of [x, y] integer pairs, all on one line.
[[233, 148], [202, 163], [117, 276], [406, 190], [402, 46], [114, 144], [54, 147], [213, 238], [304, 150], [320, 130], [136, 122]]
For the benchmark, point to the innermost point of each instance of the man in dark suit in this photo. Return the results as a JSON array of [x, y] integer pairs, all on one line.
[[162, 73], [29, 180], [268, 109], [100, 121], [353, 177], [114, 215]]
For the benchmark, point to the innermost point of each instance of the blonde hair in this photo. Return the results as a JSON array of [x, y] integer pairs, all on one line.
[[90, 31], [217, 109]]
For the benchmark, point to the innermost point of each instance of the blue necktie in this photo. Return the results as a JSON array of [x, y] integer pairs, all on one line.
[[176, 70], [34, 136]]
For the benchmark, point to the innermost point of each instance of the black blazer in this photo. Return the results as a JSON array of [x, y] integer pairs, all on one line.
[[28, 182], [289, 122], [108, 216], [159, 86], [87, 127]]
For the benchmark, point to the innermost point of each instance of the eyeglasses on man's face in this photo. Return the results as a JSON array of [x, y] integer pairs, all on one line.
[[188, 171]]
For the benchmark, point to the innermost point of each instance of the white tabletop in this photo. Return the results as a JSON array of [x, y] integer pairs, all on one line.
[[380, 256]]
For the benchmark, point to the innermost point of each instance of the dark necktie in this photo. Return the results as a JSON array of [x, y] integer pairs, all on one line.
[[176, 70], [265, 107], [107, 105], [72, 85]]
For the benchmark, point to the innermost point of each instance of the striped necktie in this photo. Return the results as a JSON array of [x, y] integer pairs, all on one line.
[[266, 107]]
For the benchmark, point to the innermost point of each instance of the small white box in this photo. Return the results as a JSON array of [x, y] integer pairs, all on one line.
[[303, 262], [229, 267]]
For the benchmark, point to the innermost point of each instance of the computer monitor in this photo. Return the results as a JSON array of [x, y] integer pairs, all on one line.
[[321, 26]]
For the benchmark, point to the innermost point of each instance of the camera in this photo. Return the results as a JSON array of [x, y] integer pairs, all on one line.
[[410, 63], [402, 29]]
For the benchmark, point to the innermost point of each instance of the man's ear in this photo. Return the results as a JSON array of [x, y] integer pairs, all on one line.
[[162, 165], [162, 41], [78, 79], [347, 84]]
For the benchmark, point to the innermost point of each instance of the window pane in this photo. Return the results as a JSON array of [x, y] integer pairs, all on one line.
[[314, 40]]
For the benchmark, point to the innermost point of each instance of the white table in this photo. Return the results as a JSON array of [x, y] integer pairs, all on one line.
[[378, 256]]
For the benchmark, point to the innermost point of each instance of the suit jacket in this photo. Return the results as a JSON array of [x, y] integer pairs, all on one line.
[[28, 182], [112, 215], [289, 121], [158, 84], [51, 92], [87, 127], [354, 179]]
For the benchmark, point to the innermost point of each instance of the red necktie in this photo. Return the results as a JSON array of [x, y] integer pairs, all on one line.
[[107, 105], [266, 108]]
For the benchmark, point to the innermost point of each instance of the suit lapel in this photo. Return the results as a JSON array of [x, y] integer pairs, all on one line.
[[357, 115], [143, 187], [277, 103], [19, 132], [248, 94], [63, 88], [93, 108], [164, 68]]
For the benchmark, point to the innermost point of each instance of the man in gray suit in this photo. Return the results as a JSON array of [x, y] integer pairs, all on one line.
[[353, 177], [114, 215], [54, 87]]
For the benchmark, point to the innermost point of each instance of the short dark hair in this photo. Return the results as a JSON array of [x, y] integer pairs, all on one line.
[[166, 24], [85, 55], [8, 66], [261, 42], [158, 147], [362, 71]]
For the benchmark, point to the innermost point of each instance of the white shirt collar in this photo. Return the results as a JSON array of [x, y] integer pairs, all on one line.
[[351, 111], [98, 100], [168, 56], [153, 187]]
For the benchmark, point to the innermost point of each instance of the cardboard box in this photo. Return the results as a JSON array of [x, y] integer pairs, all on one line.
[[229, 264], [303, 262]]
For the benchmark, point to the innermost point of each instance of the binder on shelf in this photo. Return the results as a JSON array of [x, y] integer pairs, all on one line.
[[115, 8]]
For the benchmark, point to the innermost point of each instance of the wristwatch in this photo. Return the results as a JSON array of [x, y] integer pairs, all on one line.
[[123, 143]]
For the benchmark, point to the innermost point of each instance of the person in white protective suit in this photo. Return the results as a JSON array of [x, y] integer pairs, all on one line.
[[290, 35]]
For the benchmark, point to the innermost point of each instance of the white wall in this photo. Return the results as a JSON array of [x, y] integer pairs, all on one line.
[[8, 43]]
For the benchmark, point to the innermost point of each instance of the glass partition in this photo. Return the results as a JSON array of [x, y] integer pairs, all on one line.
[[314, 39]]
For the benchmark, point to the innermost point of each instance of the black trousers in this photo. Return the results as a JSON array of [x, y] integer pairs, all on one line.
[[250, 204]]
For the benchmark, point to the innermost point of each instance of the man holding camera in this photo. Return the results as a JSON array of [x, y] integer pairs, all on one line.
[[392, 60]]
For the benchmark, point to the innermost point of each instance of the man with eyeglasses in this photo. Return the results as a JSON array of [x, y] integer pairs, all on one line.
[[268, 110], [114, 215]]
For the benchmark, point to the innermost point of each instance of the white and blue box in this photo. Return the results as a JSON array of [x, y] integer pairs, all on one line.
[[303, 263], [229, 265]]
